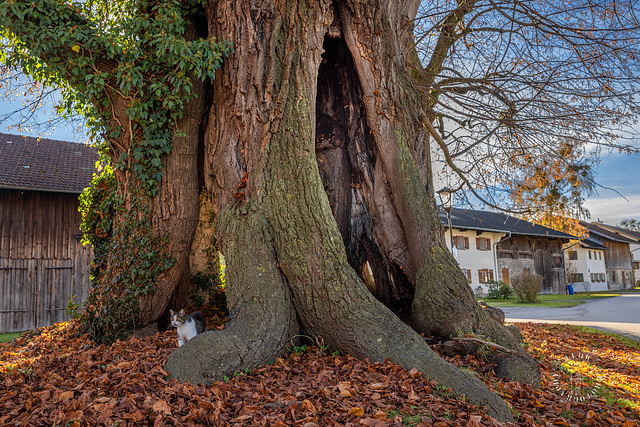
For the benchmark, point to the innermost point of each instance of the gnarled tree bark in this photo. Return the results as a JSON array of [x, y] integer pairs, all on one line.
[[318, 169]]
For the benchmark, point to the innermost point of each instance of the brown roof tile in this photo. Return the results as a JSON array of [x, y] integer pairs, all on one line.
[[45, 164]]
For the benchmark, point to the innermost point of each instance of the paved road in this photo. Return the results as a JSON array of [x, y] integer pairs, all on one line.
[[617, 314]]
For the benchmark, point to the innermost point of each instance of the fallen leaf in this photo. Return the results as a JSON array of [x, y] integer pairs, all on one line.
[[380, 415], [343, 386], [161, 407], [66, 396], [357, 411], [371, 422], [475, 418], [345, 393], [378, 386], [309, 406], [413, 373]]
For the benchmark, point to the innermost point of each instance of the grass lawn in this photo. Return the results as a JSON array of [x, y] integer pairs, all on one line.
[[555, 301], [539, 303], [10, 336]]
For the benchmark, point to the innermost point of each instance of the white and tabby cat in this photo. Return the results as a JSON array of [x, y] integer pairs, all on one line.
[[188, 325]]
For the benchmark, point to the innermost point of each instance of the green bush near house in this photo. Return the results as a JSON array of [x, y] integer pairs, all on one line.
[[527, 287], [499, 290]]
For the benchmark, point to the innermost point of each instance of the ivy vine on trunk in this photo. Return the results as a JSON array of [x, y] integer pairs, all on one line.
[[137, 71]]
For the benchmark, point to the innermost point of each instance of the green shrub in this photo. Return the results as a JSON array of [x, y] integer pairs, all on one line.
[[527, 287], [499, 290]]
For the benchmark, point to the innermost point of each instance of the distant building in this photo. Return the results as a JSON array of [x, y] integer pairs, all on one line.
[[42, 260], [494, 246], [585, 263], [622, 253]]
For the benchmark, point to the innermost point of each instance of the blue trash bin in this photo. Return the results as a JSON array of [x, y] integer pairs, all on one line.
[[570, 289]]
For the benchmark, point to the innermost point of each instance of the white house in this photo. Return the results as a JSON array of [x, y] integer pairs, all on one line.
[[602, 260], [585, 266], [475, 253], [494, 246]]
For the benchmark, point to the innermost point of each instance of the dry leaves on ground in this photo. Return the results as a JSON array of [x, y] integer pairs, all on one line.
[[53, 377]]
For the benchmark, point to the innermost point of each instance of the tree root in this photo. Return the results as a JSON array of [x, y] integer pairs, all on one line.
[[466, 345], [214, 355], [263, 319]]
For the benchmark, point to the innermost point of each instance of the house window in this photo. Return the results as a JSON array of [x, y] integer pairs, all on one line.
[[589, 254], [484, 275], [603, 277], [573, 255], [600, 255], [483, 243], [576, 277], [594, 277], [526, 270], [461, 242]]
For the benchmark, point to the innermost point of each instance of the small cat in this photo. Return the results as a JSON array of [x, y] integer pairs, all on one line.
[[188, 325]]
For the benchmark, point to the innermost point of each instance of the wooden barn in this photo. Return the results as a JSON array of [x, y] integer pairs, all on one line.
[[43, 263]]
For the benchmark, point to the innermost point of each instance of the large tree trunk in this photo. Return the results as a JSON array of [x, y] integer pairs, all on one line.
[[311, 165], [156, 228]]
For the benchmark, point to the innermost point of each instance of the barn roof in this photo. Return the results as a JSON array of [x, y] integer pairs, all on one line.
[[28, 163], [498, 222], [590, 243], [613, 233]]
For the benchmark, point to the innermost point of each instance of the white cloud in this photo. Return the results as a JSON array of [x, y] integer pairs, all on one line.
[[611, 210]]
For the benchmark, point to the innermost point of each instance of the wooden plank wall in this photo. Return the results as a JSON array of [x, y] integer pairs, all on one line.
[[546, 254], [42, 260], [619, 264], [618, 256]]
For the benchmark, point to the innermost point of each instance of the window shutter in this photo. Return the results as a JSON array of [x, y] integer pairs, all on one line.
[[469, 276], [483, 243], [466, 242], [490, 274]]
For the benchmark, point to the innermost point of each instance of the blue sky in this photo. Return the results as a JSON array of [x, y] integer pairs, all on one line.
[[617, 198], [618, 173]]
